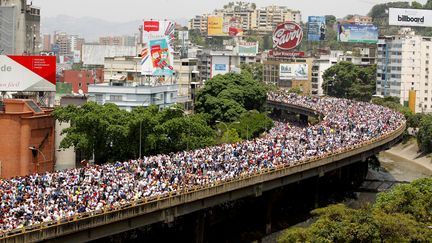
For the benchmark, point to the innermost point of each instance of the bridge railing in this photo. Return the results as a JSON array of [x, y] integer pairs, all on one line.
[[88, 220]]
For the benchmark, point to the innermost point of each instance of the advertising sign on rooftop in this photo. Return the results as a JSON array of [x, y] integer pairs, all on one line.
[[158, 46], [27, 73], [219, 26], [247, 48], [316, 28], [410, 17], [357, 33], [287, 36], [293, 71]]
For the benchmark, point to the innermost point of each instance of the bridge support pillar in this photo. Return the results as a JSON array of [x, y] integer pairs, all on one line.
[[317, 191], [199, 227], [269, 210]]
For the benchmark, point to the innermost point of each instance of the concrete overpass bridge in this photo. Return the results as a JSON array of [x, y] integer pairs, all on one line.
[[96, 225]]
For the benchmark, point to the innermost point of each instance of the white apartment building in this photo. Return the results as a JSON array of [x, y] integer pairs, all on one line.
[[404, 64], [256, 19], [212, 63], [319, 66], [269, 17], [199, 22]]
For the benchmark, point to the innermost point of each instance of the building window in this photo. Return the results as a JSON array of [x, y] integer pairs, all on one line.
[[99, 98], [426, 91], [116, 97], [79, 85], [425, 99], [412, 83], [412, 75]]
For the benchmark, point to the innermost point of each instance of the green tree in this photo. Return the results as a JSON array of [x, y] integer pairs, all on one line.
[[230, 136], [226, 97], [346, 80], [424, 136], [295, 90], [416, 5], [254, 69], [414, 199], [251, 124], [102, 130], [114, 134], [402, 214], [196, 37]]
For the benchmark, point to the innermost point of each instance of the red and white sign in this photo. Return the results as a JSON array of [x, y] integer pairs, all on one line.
[[151, 26], [277, 53], [27, 73], [287, 36]]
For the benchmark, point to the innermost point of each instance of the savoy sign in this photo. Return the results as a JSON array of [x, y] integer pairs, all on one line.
[[287, 36]]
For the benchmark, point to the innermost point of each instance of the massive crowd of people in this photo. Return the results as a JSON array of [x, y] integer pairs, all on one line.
[[62, 195]]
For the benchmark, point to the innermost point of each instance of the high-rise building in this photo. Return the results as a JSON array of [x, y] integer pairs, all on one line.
[[319, 66], [199, 22], [269, 17], [19, 27], [75, 43], [404, 65], [46, 43], [61, 40], [251, 18]]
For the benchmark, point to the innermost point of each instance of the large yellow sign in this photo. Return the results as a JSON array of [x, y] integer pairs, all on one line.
[[218, 26], [215, 26]]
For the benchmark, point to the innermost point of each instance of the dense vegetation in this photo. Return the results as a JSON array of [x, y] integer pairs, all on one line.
[[346, 80], [403, 214]]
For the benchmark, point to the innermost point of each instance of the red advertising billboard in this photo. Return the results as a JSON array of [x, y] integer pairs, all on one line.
[[151, 26], [287, 36], [27, 73]]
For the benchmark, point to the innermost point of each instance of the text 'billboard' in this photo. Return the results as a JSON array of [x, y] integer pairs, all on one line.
[[410, 17]]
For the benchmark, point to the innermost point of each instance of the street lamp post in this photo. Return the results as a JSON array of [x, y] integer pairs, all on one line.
[[226, 126], [35, 151]]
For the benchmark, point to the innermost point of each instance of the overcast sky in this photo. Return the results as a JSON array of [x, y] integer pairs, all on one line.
[[128, 10]]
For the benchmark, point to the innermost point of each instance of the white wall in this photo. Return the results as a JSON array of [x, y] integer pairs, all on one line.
[[219, 61]]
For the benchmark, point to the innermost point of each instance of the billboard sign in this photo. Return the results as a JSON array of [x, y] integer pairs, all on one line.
[[357, 33], [27, 73], [316, 28], [219, 26], [151, 26], [294, 71], [247, 48], [220, 67], [410, 17], [158, 47], [277, 53], [287, 36]]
